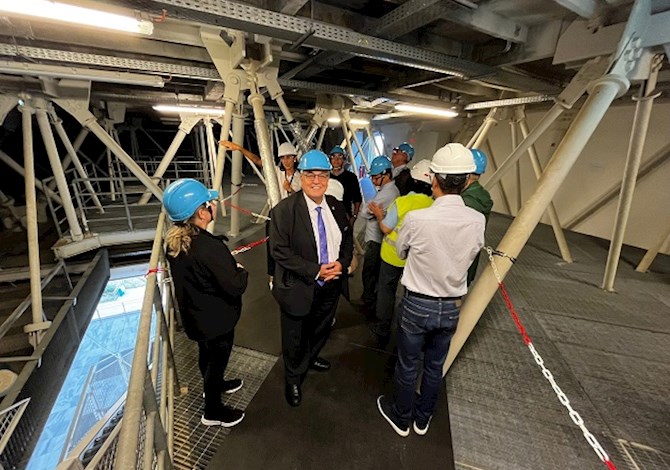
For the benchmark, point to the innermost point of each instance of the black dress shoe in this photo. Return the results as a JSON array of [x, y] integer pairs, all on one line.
[[293, 394], [320, 364]]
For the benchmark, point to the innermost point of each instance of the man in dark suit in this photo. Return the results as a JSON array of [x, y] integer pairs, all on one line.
[[312, 245]]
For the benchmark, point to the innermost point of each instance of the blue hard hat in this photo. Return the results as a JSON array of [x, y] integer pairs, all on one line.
[[480, 161], [314, 160], [407, 148], [183, 197], [337, 149], [379, 165]]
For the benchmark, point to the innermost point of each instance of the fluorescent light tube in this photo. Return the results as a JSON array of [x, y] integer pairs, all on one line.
[[355, 121], [78, 15], [190, 110], [410, 108]]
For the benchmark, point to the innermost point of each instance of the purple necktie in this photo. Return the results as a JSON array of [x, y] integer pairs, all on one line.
[[323, 241]]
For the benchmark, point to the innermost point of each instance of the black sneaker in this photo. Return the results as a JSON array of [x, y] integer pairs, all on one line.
[[227, 418], [422, 428], [232, 386], [385, 409]]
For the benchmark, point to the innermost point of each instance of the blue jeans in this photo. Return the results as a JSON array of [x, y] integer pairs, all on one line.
[[425, 325]]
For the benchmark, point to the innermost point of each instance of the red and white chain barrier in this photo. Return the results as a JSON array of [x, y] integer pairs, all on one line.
[[243, 248], [576, 418]]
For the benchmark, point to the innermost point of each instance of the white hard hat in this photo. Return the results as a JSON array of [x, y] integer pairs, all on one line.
[[335, 189], [421, 171], [454, 159], [286, 149]]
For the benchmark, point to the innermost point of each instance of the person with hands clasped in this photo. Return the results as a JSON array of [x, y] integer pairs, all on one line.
[[312, 245], [208, 284]]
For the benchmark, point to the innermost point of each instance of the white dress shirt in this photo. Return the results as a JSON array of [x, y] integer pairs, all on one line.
[[440, 243], [333, 233]]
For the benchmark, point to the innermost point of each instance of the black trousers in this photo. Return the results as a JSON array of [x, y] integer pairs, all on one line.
[[389, 276], [213, 360], [304, 337], [371, 263]]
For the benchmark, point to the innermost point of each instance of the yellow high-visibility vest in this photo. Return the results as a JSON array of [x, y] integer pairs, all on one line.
[[404, 204]]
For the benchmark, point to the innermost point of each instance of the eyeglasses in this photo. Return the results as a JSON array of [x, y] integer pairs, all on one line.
[[316, 176]]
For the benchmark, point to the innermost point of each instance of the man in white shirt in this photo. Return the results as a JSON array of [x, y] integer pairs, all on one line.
[[439, 244]]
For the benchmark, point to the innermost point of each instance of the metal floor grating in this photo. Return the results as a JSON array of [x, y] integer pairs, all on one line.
[[639, 457], [607, 351], [194, 443]]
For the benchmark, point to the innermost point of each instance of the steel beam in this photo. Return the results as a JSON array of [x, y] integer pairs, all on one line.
[[229, 14], [636, 143], [651, 254], [185, 127], [551, 209], [236, 171], [256, 101], [604, 91], [79, 110], [73, 157], [57, 168], [568, 97], [494, 166]]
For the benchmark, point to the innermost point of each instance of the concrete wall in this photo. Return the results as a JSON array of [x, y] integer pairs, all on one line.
[[599, 168]]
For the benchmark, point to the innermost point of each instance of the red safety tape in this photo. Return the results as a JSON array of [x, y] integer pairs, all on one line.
[[243, 248], [528, 341], [246, 211], [154, 271]]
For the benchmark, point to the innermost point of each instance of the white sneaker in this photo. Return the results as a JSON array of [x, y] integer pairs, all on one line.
[[227, 418], [421, 431]]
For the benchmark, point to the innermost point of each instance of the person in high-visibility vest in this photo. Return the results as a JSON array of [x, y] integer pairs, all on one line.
[[391, 264], [478, 198]]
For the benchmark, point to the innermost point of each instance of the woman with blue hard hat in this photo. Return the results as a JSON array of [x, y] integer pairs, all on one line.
[[208, 284]]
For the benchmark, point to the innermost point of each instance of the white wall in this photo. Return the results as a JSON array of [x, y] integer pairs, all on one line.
[[599, 167]]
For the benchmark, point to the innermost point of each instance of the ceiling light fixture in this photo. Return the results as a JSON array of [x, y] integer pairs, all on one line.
[[164, 108], [441, 112], [73, 14], [354, 121]]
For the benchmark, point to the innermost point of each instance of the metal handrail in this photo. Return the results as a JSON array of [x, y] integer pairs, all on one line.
[[141, 397]]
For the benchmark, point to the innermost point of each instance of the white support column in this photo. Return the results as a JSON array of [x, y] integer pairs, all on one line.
[[604, 91], [257, 101], [236, 172], [347, 139], [76, 145], [211, 145], [38, 325], [322, 134], [483, 131], [492, 161], [185, 127], [80, 112], [221, 151], [551, 210], [636, 143], [650, 255], [576, 88], [11, 163], [515, 141], [74, 158], [56, 167], [310, 134]]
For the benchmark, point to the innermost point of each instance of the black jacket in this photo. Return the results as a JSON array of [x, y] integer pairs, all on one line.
[[404, 181], [293, 248], [208, 286]]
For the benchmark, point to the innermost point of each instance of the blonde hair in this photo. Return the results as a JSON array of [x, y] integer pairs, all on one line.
[[179, 238]]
